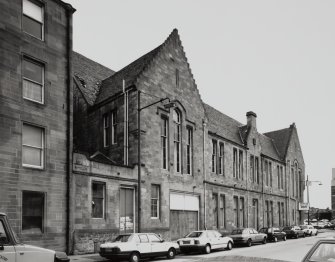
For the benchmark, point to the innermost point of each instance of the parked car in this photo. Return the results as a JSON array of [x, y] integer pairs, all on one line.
[[309, 230], [323, 250], [248, 236], [294, 232], [273, 233], [135, 246], [205, 241], [11, 249]]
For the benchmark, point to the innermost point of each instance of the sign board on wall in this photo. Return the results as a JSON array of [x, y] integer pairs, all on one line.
[[303, 206]]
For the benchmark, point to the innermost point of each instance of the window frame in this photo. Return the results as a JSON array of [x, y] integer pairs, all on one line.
[[103, 199], [214, 155], [177, 141], [165, 142], [43, 223], [221, 159], [32, 60], [106, 131], [42, 6], [189, 151], [43, 149], [222, 210], [235, 163], [157, 198], [113, 120]]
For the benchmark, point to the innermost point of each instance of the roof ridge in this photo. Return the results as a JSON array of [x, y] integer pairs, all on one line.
[[240, 124]]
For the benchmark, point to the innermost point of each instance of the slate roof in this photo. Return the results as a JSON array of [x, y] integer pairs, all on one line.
[[89, 75], [281, 139], [223, 125], [268, 147]]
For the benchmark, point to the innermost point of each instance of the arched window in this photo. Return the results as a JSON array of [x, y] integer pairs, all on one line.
[[177, 140]]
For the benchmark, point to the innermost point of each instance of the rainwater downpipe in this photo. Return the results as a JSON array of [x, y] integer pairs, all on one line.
[[204, 169]]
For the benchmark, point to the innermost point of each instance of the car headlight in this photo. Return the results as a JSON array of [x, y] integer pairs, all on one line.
[[61, 257]]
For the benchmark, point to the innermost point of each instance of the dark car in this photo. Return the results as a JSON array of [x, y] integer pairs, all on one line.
[[274, 233], [247, 236], [294, 232], [323, 250]]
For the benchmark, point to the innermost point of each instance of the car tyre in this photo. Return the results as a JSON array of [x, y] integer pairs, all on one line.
[[230, 245], [171, 253], [304, 235], [249, 243], [264, 241], [284, 238], [275, 239], [316, 233], [134, 257], [207, 249]]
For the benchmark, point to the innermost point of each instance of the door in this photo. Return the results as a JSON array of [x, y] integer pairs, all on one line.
[[184, 214], [8, 252], [156, 245], [144, 247], [127, 210]]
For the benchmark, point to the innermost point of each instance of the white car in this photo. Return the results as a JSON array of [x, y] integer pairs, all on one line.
[[135, 246], [309, 230], [204, 241], [12, 250]]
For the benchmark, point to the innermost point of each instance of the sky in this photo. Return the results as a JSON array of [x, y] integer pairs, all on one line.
[[276, 58]]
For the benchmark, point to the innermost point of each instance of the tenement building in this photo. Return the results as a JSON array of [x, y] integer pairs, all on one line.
[[150, 155], [36, 119]]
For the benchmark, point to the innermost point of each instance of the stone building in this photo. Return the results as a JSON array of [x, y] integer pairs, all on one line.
[[199, 167], [333, 191], [36, 119]]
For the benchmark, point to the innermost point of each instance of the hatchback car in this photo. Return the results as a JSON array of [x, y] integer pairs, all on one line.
[[204, 241], [248, 236], [323, 250], [135, 246], [309, 230], [274, 234], [294, 232]]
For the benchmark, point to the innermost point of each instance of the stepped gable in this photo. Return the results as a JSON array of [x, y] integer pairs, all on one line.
[[281, 139], [131, 72], [223, 125], [88, 76]]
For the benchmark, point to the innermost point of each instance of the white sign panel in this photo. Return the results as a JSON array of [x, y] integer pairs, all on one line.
[[303, 206], [184, 202]]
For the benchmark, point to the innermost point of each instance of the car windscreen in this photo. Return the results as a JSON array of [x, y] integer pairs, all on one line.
[[122, 238], [194, 234], [237, 232], [263, 230], [287, 228]]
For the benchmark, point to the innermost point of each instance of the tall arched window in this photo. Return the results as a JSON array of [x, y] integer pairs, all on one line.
[[177, 140]]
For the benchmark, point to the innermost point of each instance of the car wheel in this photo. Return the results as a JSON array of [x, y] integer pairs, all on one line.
[[264, 240], [284, 238], [134, 257], [230, 245], [275, 239], [171, 253], [304, 235], [316, 233], [297, 236], [207, 249], [249, 242]]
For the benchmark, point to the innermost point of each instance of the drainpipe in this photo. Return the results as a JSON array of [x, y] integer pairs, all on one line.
[[204, 168], [69, 84], [246, 186], [125, 127]]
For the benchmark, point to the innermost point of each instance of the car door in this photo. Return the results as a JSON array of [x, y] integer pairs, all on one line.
[[7, 250], [221, 241], [256, 237], [144, 247], [156, 244]]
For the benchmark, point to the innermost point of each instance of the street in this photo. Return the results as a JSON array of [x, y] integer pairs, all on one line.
[[291, 250]]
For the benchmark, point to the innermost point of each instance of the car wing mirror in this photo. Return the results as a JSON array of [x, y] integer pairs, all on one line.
[[162, 240]]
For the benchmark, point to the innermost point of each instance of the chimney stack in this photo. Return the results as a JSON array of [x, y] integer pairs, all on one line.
[[251, 119]]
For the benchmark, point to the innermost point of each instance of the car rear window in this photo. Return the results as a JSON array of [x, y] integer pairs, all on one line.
[[122, 238], [194, 234]]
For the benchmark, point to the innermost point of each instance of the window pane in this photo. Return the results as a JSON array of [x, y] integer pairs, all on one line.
[[32, 27], [98, 195], [32, 135], [33, 71], [33, 10], [32, 212], [32, 91], [32, 156], [154, 191]]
